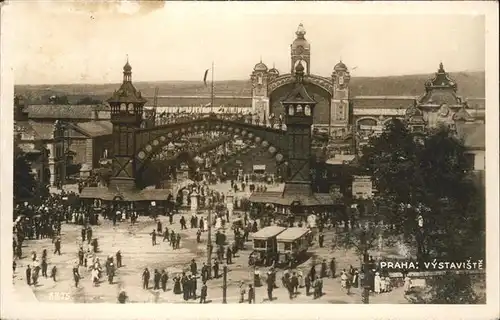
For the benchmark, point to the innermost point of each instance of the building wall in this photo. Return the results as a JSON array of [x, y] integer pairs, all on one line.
[[479, 159], [100, 144], [79, 146]]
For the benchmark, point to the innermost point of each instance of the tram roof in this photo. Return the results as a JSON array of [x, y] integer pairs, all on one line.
[[268, 232], [291, 234]]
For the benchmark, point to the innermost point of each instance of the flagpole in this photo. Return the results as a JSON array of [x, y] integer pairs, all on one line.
[[212, 93], [209, 216]]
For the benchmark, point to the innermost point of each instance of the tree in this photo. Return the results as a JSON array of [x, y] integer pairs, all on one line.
[[59, 99], [24, 182], [427, 179], [365, 231], [88, 101], [449, 288]]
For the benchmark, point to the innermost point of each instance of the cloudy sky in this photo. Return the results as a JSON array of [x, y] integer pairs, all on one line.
[[67, 42]]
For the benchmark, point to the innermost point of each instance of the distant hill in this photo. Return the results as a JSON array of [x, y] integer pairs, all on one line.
[[470, 84]]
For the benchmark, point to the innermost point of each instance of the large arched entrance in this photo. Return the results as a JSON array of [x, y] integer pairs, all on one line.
[[323, 97]]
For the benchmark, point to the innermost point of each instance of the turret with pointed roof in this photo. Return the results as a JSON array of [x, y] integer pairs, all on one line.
[[127, 93]]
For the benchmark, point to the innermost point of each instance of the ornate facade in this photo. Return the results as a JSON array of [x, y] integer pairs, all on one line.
[[341, 115], [269, 88]]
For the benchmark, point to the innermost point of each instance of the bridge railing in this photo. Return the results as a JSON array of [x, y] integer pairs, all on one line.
[[186, 118]]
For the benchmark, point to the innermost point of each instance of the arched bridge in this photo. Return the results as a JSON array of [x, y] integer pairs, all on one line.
[[148, 142]]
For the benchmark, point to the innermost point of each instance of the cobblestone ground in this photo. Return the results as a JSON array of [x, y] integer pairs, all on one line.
[[134, 242]]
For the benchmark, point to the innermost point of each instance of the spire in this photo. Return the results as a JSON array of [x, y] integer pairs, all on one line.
[[441, 68], [127, 72], [301, 31]]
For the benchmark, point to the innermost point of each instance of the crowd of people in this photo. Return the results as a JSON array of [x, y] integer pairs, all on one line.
[[44, 221]]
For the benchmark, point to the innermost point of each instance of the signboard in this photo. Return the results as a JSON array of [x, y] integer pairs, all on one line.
[[362, 187], [371, 128], [259, 167]]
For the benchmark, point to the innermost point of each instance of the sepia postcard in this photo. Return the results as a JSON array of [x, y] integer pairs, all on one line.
[[293, 160]]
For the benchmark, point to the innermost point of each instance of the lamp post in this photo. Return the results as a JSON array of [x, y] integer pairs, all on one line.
[[224, 284], [209, 242], [420, 237], [366, 276]]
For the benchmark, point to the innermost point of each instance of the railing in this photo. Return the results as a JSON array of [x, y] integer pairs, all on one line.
[[186, 118]]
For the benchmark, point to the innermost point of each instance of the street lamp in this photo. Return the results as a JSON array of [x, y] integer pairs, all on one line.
[[420, 237], [224, 284], [365, 266], [209, 242]]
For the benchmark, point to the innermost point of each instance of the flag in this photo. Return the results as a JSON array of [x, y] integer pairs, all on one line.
[[205, 77]]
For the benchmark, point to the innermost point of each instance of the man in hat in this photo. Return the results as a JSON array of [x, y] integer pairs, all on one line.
[[333, 267], [323, 272], [203, 294], [118, 259], [28, 275], [156, 280], [57, 245], [153, 237], [145, 278], [163, 280], [165, 234], [111, 272], [76, 275], [193, 267]]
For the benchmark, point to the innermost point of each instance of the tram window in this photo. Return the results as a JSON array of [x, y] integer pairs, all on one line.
[[260, 244], [288, 246]]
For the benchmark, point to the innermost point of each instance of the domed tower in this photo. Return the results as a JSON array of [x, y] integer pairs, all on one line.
[[273, 73], [339, 117], [126, 116], [300, 50], [260, 99]]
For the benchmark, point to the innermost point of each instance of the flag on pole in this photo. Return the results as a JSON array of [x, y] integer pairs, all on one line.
[[205, 77]]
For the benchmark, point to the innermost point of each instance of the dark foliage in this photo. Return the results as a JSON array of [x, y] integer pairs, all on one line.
[[428, 179], [24, 182]]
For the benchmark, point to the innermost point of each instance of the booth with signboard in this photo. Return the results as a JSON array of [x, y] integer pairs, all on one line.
[[362, 187], [259, 168]]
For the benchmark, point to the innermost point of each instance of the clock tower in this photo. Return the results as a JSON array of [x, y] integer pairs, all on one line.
[[300, 51], [126, 116], [260, 99], [340, 111], [299, 110]]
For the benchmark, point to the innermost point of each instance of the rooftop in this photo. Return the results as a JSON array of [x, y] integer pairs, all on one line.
[[58, 111]]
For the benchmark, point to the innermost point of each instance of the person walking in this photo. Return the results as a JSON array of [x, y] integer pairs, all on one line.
[[204, 293], [57, 246], [76, 275], [145, 278], [164, 280], [153, 237], [251, 294], [44, 268], [156, 280], [53, 273], [28, 275]]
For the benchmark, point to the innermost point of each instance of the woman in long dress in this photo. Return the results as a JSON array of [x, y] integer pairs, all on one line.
[[343, 280], [376, 283], [177, 285], [95, 276], [407, 285], [383, 286]]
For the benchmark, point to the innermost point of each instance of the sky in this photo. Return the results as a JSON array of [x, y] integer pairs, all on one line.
[[88, 42]]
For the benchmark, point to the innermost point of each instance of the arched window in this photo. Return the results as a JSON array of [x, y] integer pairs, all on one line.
[[291, 110], [307, 110], [299, 108]]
